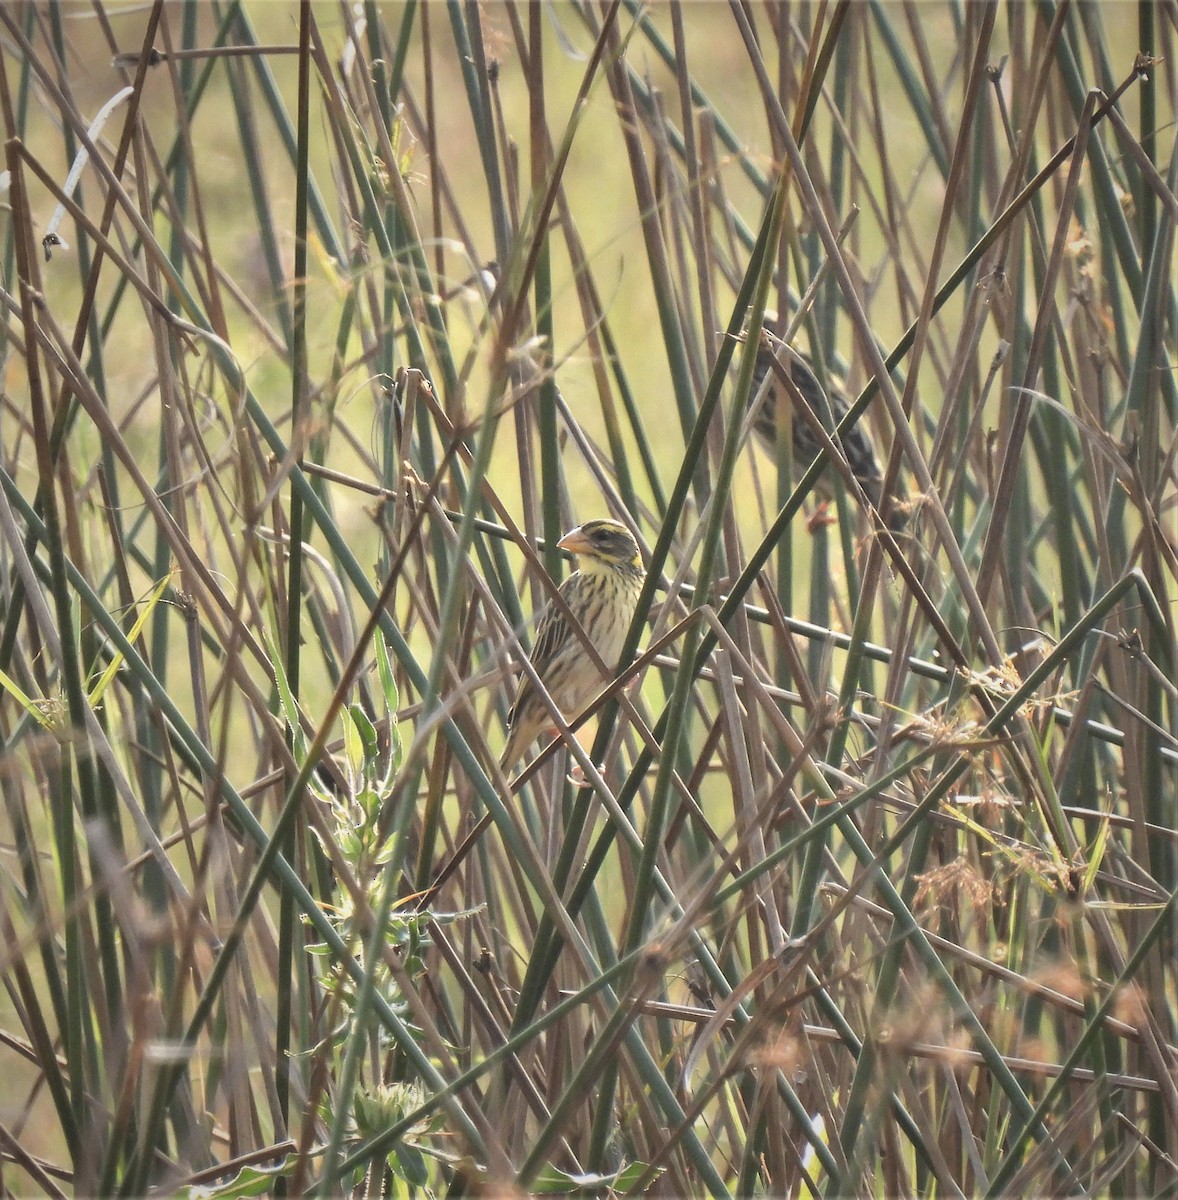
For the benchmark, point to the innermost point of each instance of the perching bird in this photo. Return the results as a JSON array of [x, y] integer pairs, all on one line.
[[856, 442], [602, 593]]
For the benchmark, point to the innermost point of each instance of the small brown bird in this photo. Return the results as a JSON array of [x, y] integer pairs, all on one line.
[[856, 443], [602, 593]]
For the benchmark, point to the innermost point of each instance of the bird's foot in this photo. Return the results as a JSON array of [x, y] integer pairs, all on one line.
[[820, 517], [578, 778]]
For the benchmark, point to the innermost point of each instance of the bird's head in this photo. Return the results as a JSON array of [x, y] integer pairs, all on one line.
[[601, 543]]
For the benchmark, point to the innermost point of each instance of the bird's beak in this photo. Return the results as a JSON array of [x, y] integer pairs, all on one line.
[[575, 542]]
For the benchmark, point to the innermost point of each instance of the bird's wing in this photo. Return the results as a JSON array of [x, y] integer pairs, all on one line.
[[552, 631]]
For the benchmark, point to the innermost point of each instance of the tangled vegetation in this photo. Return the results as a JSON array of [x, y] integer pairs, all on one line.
[[323, 323]]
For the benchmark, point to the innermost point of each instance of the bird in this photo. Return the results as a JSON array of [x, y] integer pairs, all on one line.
[[602, 593], [855, 442]]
